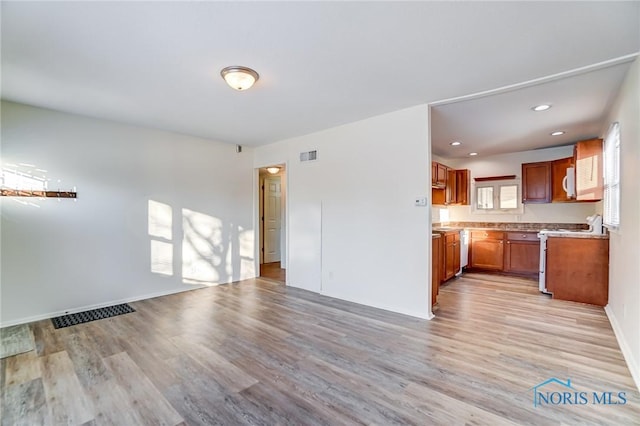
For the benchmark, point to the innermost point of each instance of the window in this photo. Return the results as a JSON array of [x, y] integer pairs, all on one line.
[[495, 197], [612, 177]]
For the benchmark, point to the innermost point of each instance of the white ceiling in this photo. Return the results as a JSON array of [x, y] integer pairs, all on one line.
[[321, 64]]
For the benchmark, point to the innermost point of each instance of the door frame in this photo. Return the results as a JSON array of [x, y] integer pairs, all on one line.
[[257, 222]]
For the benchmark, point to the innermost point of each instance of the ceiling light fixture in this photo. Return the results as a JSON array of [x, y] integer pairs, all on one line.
[[239, 78], [558, 133], [273, 170], [473, 153], [456, 143], [542, 107]]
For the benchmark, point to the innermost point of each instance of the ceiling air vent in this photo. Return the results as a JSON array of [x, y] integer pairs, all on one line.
[[309, 156]]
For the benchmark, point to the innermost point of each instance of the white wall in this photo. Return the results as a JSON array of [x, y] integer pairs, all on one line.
[[66, 255], [354, 232], [624, 245], [511, 164]]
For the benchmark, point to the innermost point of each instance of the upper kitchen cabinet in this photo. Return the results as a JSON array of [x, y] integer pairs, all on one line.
[[563, 180], [463, 187], [536, 182], [589, 170], [449, 186], [438, 175]]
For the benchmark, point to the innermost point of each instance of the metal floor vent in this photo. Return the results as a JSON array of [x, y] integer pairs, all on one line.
[[92, 315]]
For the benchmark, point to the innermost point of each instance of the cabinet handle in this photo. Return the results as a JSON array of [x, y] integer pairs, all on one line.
[[501, 242], [524, 235], [508, 242]]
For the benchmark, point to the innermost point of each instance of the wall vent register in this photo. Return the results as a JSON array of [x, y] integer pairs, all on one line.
[[309, 155]]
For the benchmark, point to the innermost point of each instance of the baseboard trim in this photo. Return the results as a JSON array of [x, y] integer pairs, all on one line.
[[97, 306], [624, 347]]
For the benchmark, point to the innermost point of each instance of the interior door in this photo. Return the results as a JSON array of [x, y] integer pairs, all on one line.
[[272, 221]]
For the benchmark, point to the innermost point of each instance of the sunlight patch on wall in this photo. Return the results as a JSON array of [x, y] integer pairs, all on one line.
[[161, 257], [202, 248], [160, 222], [246, 246]]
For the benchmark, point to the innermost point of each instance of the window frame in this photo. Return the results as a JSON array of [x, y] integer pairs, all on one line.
[[496, 184], [611, 175]]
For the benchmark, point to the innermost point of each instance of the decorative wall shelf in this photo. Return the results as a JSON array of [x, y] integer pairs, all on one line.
[[37, 194]]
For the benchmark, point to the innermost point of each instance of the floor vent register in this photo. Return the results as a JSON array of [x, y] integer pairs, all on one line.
[[92, 315]]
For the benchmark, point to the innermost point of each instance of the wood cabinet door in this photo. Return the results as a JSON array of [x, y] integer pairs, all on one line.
[[487, 254], [589, 170], [558, 173], [434, 173], [536, 182], [441, 175], [577, 269], [522, 257], [451, 189], [436, 260], [451, 255], [463, 188]]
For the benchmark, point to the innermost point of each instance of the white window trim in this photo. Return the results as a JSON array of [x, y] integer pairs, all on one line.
[[611, 154], [496, 184]]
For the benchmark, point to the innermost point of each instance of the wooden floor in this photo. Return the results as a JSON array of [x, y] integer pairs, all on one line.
[[257, 352], [273, 271]]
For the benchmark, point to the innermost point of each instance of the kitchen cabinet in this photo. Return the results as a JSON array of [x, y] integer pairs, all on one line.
[[536, 182], [558, 173], [487, 250], [438, 175], [451, 249], [589, 170], [463, 187], [436, 266], [451, 189], [577, 269], [456, 189], [522, 253]]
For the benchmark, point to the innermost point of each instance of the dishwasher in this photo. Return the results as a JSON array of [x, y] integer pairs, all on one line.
[[464, 250]]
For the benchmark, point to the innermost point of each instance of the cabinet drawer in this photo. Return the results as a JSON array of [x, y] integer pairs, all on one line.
[[522, 236], [481, 235]]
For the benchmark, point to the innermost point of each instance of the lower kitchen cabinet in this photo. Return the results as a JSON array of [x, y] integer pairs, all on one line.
[[522, 253], [451, 254], [577, 269], [487, 250], [436, 260]]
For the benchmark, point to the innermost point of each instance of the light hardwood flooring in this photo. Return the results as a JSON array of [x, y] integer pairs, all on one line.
[[257, 352], [273, 271]]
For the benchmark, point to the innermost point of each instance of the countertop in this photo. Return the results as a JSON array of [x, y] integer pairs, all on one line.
[[509, 226], [520, 227]]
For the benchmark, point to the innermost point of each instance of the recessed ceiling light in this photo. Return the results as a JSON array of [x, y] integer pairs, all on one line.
[[456, 143], [558, 133], [473, 153], [542, 107]]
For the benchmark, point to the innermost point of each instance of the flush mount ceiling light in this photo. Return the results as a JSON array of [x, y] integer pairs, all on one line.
[[473, 153], [273, 170], [542, 107], [558, 133], [456, 143], [239, 78]]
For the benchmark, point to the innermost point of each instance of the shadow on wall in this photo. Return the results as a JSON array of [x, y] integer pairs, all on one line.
[[206, 251]]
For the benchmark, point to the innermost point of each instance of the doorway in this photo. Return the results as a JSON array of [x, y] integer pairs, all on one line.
[[272, 213]]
